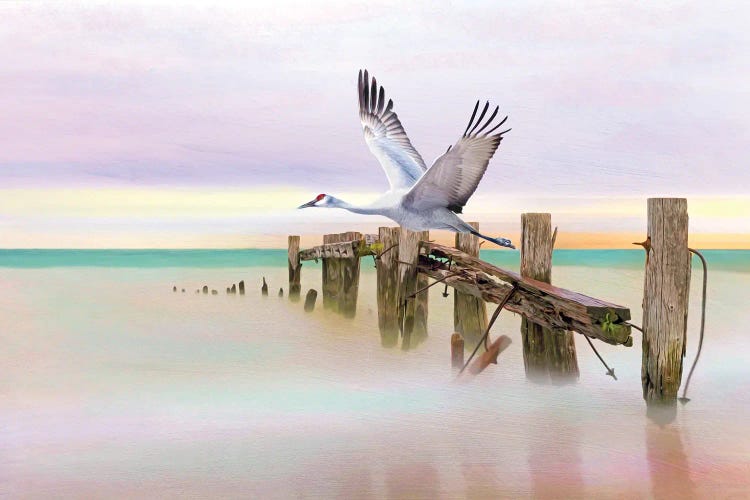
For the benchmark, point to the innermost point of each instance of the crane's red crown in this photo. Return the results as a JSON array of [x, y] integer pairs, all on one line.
[[320, 197]]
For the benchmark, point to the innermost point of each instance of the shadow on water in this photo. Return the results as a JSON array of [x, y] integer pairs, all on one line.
[[667, 461]]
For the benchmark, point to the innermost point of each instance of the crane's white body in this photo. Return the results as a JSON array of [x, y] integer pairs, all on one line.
[[420, 198], [392, 205]]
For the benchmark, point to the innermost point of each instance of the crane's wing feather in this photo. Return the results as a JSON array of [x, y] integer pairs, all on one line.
[[455, 175], [386, 137]]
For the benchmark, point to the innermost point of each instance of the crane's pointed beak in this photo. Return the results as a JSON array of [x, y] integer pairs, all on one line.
[[505, 242], [308, 204]]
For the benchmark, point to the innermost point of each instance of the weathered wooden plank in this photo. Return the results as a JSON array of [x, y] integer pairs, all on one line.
[[547, 355], [349, 278], [582, 307], [469, 312], [665, 299], [388, 286], [550, 306], [413, 311], [344, 249], [295, 269]]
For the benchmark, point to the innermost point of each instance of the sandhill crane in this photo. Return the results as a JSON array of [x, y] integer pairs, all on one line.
[[420, 198]]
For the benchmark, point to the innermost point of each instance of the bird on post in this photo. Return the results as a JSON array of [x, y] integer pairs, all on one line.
[[419, 198]]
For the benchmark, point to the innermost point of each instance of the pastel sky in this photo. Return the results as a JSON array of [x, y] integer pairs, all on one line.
[[172, 124]]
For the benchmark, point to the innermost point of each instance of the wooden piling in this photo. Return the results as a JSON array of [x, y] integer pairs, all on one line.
[[547, 354], [469, 312], [457, 351], [295, 269], [349, 279], [205, 288], [241, 287], [331, 275], [310, 300], [264, 287], [665, 299], [413, 310], [233, 289], [388, 286]]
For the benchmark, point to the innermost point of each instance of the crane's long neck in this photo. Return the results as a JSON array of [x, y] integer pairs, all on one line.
[[337, 203]]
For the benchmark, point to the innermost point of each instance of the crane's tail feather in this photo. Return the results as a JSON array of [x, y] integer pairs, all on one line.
[[503, 242]]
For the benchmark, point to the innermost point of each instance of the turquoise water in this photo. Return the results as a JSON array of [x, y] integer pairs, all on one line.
[[728, 260]]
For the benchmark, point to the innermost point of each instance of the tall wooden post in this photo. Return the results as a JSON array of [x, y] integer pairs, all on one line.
[[469, 312], [349, 279], [665, 299], [388, 286], [295, 270], [413, 311], [547, 354], [331, 274]]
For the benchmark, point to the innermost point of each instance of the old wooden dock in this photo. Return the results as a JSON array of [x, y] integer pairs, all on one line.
[[405, 260]]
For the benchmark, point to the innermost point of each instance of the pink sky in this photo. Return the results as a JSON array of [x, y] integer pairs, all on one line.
[[604, 101]]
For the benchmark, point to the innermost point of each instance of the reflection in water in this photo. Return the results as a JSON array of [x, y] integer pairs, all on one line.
[[412, 480], [356, 483], [481, 480], [667, 463], [554, 459]]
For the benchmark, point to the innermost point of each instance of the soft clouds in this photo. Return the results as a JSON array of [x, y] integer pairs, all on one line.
[[604, 100]]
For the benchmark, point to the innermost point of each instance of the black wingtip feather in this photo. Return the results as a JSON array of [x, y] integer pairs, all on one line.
[[489, 120], [497, 126], [481, 117], [476, 107]]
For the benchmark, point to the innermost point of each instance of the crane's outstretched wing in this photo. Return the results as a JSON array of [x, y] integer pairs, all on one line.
[[455, 175], [386, 137]]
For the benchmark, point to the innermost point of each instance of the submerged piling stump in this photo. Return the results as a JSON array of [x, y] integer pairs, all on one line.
[[205, 288], [233, 289], [264, 287], [242, 287], [547, 354], [281, 292], [388, 286], [413, 310], [457, 351], [295, 269], [469, 312], [665, 299], [310, 298]]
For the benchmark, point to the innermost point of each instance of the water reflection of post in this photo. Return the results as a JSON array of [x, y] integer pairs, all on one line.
[[413, 480], [667, 462], [555, 459]]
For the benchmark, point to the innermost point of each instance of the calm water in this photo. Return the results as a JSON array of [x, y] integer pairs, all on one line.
[[114, 386]]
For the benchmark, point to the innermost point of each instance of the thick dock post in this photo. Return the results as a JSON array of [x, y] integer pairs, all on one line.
[[665, 299], [341, 277], [413, 311], [388, 286], [295, 270], [547, 354], [349, 279], [469, 312], [331, 276]]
